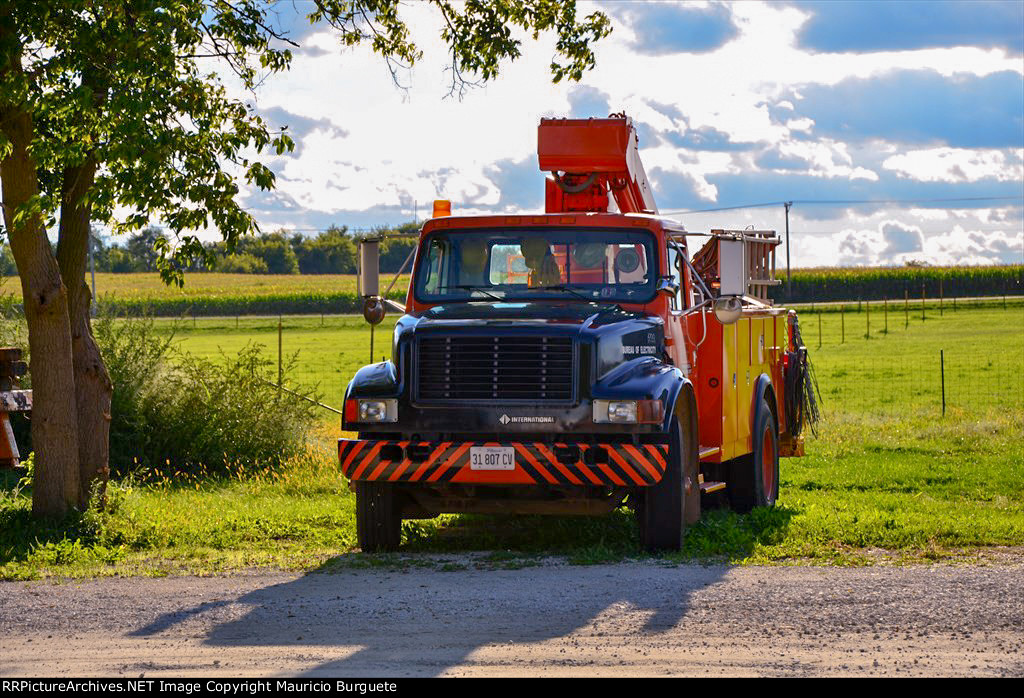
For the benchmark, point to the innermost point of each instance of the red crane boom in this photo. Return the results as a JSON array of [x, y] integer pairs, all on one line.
[[590, 159]]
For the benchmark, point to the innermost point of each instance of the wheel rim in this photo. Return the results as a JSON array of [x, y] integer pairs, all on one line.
[[768, 463]]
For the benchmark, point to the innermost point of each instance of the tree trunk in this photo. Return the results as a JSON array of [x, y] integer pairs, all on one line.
[[54, 414], [93, 389]]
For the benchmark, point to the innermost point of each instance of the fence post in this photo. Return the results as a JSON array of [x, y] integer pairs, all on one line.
[[819, 329], [280, 364], [867, 319], [842, 324], [885, 313], [922, 302], [906, 308], [940, 297], [942, 374]]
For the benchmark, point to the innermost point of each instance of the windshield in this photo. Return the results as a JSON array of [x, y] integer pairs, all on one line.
[[529, 264]]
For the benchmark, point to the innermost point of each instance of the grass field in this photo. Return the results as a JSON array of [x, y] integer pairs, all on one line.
[[149, 285], [982, 350], [888, 478]]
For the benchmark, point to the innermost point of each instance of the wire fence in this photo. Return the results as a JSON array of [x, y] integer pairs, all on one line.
[[942, 381], [871, 360], [324, 379], [946, 380]]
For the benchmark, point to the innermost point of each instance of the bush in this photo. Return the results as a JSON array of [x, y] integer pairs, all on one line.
[[175, 412], [7, 265]]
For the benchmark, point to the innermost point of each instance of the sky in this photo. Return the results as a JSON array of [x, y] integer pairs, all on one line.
[[734, 103]]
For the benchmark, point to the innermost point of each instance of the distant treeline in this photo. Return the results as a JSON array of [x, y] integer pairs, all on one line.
[[878, 283], [333, 251]]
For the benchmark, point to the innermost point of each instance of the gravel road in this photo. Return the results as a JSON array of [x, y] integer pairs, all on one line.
[[624, 619]]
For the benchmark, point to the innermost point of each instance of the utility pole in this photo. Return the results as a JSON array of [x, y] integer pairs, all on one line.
[[789, 292]]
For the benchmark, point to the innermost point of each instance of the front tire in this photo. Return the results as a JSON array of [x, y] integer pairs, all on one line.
[[665, 508], [378, 517]]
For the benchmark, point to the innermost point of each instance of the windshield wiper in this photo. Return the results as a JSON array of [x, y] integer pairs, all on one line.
[[465, 287], [563, 287]]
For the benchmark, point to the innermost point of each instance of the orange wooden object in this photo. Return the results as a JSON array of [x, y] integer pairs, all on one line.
[[9, 455]]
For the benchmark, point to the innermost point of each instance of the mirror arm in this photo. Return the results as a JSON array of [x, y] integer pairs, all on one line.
[[698, 279]]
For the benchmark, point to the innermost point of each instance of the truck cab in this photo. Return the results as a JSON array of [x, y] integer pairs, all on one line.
[[575, 361]]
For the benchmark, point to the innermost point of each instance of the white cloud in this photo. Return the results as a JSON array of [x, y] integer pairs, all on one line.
[[961, 246], [385, 148], [803, 125], [956, 165]]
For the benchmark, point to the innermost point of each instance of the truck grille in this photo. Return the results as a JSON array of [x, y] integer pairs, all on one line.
[[504, 368]]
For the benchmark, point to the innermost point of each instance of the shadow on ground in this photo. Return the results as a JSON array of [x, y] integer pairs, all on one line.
[[429, 614], [426, 622]]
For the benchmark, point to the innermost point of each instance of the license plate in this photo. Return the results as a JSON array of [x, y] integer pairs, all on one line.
[[492, 458]]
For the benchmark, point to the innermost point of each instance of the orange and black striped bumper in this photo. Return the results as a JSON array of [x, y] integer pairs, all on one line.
[[535, 463]]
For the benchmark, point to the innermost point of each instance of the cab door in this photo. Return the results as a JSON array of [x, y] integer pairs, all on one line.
[[678, 348]]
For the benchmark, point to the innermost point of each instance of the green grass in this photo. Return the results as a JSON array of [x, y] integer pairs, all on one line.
[[888, 478], [328, 350], [293, 518]]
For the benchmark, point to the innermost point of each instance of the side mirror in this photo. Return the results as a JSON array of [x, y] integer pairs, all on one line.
[[667, 286], [728, 309], [369, 280], [369, 265], [373, 310]]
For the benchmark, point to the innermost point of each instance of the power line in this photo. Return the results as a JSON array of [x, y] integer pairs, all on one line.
[[910, 201], [725, 208], [834, 202]]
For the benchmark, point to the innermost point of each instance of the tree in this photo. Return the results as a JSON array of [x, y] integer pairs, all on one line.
[[110, 112], [394, 251], [119, 261], [274, 249], [242, 263], [142, 248], [331, 252]]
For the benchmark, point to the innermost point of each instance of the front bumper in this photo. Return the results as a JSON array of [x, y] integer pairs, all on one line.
[[607, 464]]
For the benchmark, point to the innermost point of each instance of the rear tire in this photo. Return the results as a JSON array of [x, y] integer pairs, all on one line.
[[754, 478], [378, 517]]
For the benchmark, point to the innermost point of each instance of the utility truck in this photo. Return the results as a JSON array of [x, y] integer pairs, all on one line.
[[576, 361]]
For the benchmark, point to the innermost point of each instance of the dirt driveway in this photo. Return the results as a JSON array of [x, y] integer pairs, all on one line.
[[625, 619]]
